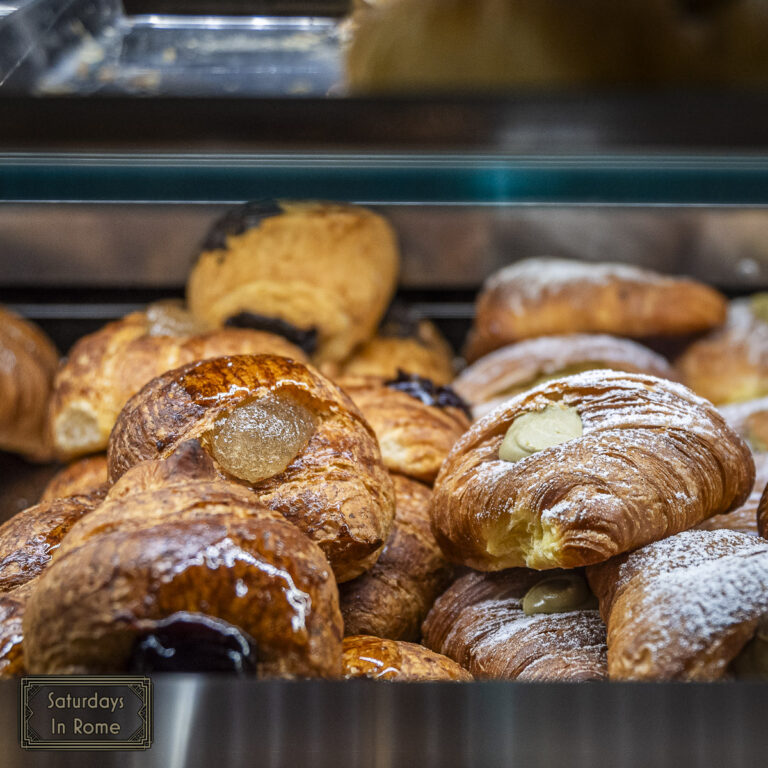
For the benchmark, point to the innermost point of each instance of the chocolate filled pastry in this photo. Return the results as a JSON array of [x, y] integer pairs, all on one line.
[[28, 362], [685, 608], [549, 297], [415, 421], [583, 468], [731, 364], [179, 569], [322, 272], [520, 625], [516, 368], [106, 368], [283, 430], [392, 599], [83, 476], [750, 420], [398, 661]]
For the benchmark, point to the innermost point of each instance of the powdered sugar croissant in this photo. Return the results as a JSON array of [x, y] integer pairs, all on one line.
[[584, 468]]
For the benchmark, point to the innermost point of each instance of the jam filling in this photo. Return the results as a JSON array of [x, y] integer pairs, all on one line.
[[191, 642], [428, 392], [304, 339], [239, 220]]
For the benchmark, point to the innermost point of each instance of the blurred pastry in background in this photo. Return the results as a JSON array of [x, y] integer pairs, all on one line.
[[516, 368], [28, 362], [80, 477], [750, 419], [321, 274]]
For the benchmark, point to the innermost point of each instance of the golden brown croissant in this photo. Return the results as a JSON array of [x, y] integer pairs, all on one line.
[[762, 514], [287, 432], [416, 423], [106, 368], [178, 558], [12, 606], [28, 361], [379, 659], [513, 369], [583, 468], [316, 271], [392, 599], [682, 608], [543, 297], [480, 622], [80, 477], [750, 420]]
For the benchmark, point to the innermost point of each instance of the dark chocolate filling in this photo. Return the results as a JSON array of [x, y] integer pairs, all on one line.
[[428, 392], [239, 220], [193, 642], [304, 338]]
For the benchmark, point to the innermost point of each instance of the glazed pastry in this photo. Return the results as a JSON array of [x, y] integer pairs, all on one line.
[[392, 599], [28, 361], [516, 368], [106, 368], [683, 608], [750, 420], [520, 625], [416, 422], [12, 606], [762, 514], [282, 429], [394, 660], [176, 559], [731, 364], [583, 468], [321, 273], [547, 297], [80, 477]]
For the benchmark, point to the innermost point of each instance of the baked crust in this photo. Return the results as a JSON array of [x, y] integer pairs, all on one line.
[[28, 362], [80, 477], [682, 608], [762, 514], [654, 459], [392, 599], [12, 606], [336, 489], [479, 622], [513, 369], [318, 266], [140, 561], [547, 297], [379, 659], [414, 437], [106, 368]]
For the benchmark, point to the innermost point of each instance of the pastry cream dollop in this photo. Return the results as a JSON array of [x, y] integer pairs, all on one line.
[[536, 430], [558, 594]]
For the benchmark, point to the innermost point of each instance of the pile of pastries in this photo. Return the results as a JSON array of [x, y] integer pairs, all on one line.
[[281, 478]]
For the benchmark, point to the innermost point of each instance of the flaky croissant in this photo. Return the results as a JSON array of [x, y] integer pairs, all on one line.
[[80, 477], [584, 468], [682, 608], [12, 606], [284, 430], [178, 558], [480, 623]]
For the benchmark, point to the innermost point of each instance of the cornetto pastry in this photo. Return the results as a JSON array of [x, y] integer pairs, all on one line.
[[750, 420], [762, 514], [28, 362], [12, 606], [282, 429], [415, 421], [395, 660], [106, 368], [179, 569], [320, 273], [80, 477], [392, 599], [689, 607], [731, 364], [507, 372], [549, 297], [520, 625], [583, 468]]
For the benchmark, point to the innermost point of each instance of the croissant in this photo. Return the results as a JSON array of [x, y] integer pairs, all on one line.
[[762, 514], [516, 368], [106, 368], [281, 428], [319, 272], [583, 468], [81, 477], [12, 606], [750, 420], [683, 608], [480, 622], [28, 361], [394, 660], [416, 423], [392, 599], [544, 297], [178, 559]]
